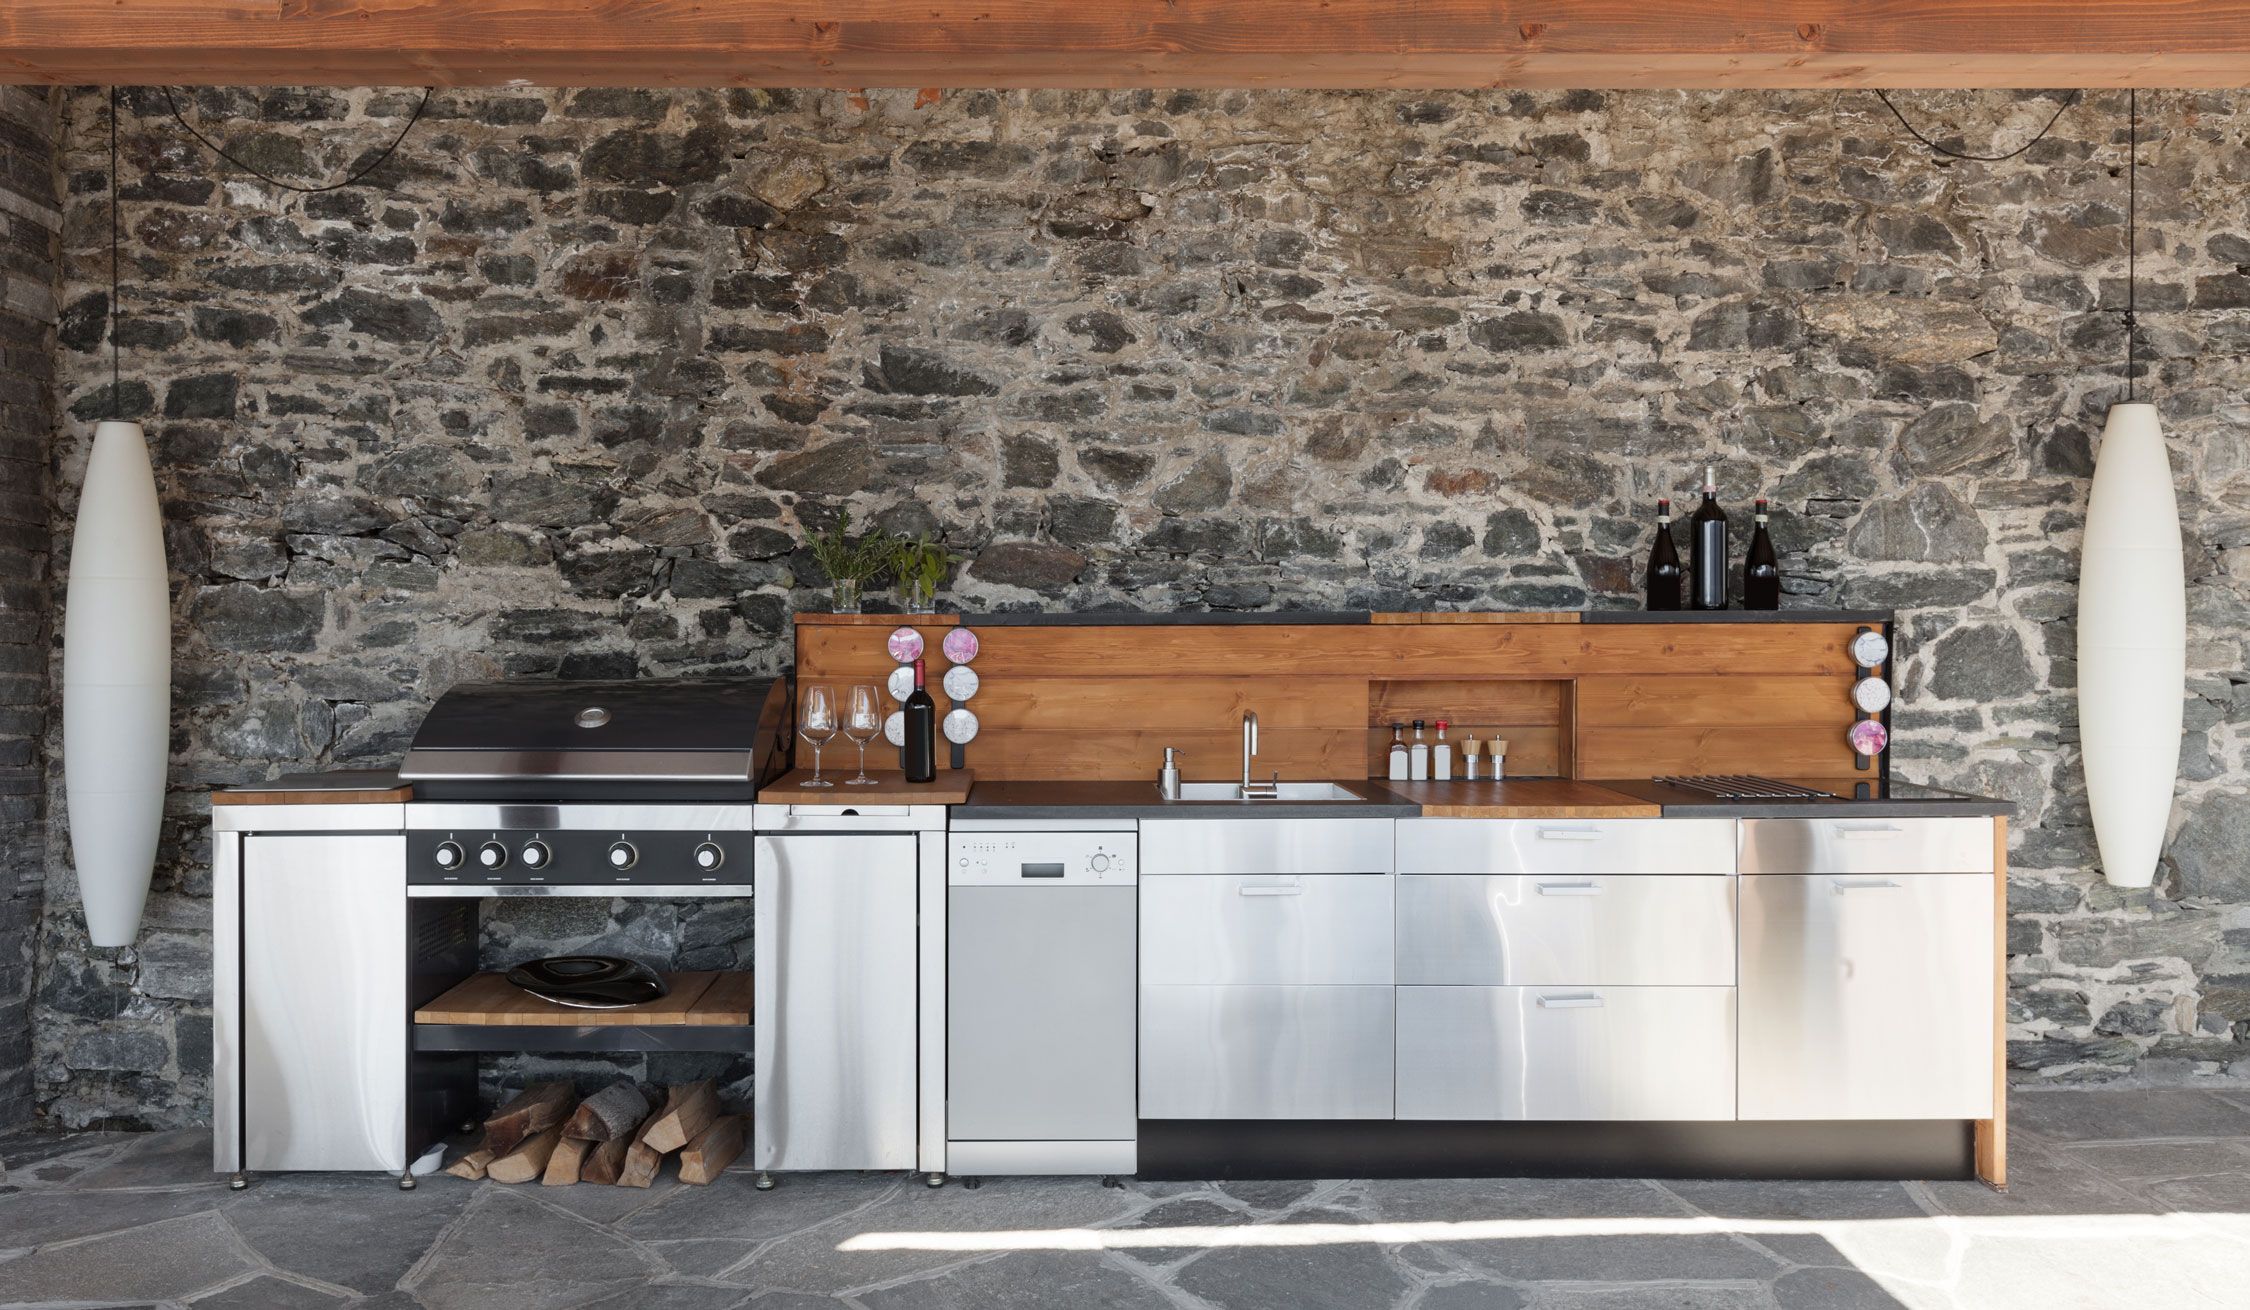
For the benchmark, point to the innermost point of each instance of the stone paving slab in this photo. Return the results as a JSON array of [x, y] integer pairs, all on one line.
[[2120, 1199]]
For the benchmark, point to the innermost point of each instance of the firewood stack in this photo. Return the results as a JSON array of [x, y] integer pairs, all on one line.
[[620, 1134]]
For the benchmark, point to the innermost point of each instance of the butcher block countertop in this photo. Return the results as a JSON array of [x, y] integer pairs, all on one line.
[[336, 787], [950, 787]]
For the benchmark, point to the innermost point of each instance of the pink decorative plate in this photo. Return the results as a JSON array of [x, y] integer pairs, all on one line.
[[960, 645], [905, 645], [1868, 737]]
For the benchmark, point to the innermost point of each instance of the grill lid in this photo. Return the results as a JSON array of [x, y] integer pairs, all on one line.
[[694, 734]]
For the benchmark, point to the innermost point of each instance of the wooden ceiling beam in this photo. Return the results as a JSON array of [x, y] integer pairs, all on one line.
[[1131, 43]]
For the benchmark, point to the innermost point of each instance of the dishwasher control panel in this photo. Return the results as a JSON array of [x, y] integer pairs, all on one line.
[[1041, 859]]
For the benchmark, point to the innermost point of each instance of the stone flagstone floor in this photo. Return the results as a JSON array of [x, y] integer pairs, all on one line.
[[2121, 1199]]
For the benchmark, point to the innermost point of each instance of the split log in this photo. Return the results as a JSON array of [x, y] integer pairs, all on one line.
[[527, 1161], [534, 1110], [687, 1113], [613, 1112], [607, 1162], [472, 1164], [705, 1158], [569, 1158]]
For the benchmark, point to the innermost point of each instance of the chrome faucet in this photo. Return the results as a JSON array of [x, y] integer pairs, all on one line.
[[1255, 790]]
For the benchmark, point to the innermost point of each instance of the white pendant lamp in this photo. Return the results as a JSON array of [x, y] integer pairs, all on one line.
[[2132, 619], [117, 662]]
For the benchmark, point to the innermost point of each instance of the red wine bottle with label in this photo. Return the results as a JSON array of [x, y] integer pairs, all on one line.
[[1761, 572], [1707, 549], [919, 756], [1664, 563]]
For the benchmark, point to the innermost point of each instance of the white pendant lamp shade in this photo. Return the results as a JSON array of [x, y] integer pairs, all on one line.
[[117, 683], [2132, 645]]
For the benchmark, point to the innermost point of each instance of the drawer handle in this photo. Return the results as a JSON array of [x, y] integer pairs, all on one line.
[[1862, 831], [1570, 834], [1843, 885], [1268, 889], [1570, 889], [1580, 1001]]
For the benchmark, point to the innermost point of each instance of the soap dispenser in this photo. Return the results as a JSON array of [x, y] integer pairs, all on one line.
[[1168, 778]]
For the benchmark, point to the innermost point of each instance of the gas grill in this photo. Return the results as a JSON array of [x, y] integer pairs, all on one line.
[[632, 788]]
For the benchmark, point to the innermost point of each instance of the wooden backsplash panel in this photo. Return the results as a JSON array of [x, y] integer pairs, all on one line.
[[1579, 700]]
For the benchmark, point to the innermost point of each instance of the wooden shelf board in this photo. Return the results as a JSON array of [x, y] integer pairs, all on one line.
[[698, 999]]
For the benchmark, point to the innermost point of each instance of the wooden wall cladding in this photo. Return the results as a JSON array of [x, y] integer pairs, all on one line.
[[1572, 699]]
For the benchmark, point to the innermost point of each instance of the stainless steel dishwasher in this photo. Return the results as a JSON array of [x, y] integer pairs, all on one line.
[[1040, 1027], [847, 963]]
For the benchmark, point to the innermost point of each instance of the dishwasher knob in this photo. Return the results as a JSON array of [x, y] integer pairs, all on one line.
[[622, 855], [535, 855], [492, 855], [448, 855], [1099, 864], [709, 856]]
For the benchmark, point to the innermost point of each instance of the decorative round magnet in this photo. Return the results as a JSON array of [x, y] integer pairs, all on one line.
[[961, 682], [902, 683], [894, 728], [960, 727], [1870, 649], [905, 645], [960, 645], [1868, 737], [1872, 695]]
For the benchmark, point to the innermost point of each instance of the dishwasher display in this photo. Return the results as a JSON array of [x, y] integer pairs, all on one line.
[[1040, 1023]]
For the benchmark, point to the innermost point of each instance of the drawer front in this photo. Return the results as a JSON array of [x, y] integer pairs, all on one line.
[[1566, 845], [1566, 1053], [1562, 929], [1266, 1052], [1265, 846], [1318, 928], [1867, 846], [1867, 997]]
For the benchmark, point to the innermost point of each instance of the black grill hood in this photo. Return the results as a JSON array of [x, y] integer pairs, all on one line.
[[654, 739]]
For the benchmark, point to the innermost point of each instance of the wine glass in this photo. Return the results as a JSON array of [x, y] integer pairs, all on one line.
[[863, 720], [816, 723]]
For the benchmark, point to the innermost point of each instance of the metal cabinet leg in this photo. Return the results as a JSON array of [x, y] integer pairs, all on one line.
[[240, 1181], [406, 1181], [765, 1181], [933, 1180]]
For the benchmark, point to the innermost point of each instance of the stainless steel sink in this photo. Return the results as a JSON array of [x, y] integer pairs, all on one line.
[[1287, 791]]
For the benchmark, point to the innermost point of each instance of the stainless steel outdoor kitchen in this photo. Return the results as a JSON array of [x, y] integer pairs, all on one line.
[[1135, 930]]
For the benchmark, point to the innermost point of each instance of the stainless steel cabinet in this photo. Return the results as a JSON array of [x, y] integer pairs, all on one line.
[[323, 1002], [1867, 846], [1289, 928], [1312, 845], [1867, 996], [1566, 846], [1260, 1052], [1566, 1053], [836, 1003], [1560, 929]]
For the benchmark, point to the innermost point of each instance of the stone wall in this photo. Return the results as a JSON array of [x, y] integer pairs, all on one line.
[[560, 394], [30, 270]]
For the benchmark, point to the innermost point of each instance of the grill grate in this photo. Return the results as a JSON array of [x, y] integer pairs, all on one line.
[[1745, 787]]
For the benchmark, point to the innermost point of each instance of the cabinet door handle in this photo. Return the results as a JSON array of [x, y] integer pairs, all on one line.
[[1268, 889], [1843, 885], [1579, 1001], [1862, 831], [1570, 889], [1570, 834]]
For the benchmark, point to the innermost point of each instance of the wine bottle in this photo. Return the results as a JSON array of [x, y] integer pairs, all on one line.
[[1761, 572], [1664, 563], [919, 756], [1707, 549]]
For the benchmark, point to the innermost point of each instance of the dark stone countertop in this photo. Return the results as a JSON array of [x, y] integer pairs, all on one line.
[[1138, 800], [1858, 797]]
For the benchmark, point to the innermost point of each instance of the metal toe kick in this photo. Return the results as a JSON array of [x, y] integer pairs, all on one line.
[[973, 1159]]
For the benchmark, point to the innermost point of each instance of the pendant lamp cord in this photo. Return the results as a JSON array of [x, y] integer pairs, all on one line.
[[116, 397], [382, 157], [1951, 153], [2132, 234]]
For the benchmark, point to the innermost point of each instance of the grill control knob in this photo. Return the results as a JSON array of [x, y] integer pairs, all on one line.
[[492, 855], [708, 856], [1099, 864], [448, 855], [622, 855], [535, 855]]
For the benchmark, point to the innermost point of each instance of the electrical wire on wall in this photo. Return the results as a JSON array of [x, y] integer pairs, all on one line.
[[382, 157], [1950, 153]]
